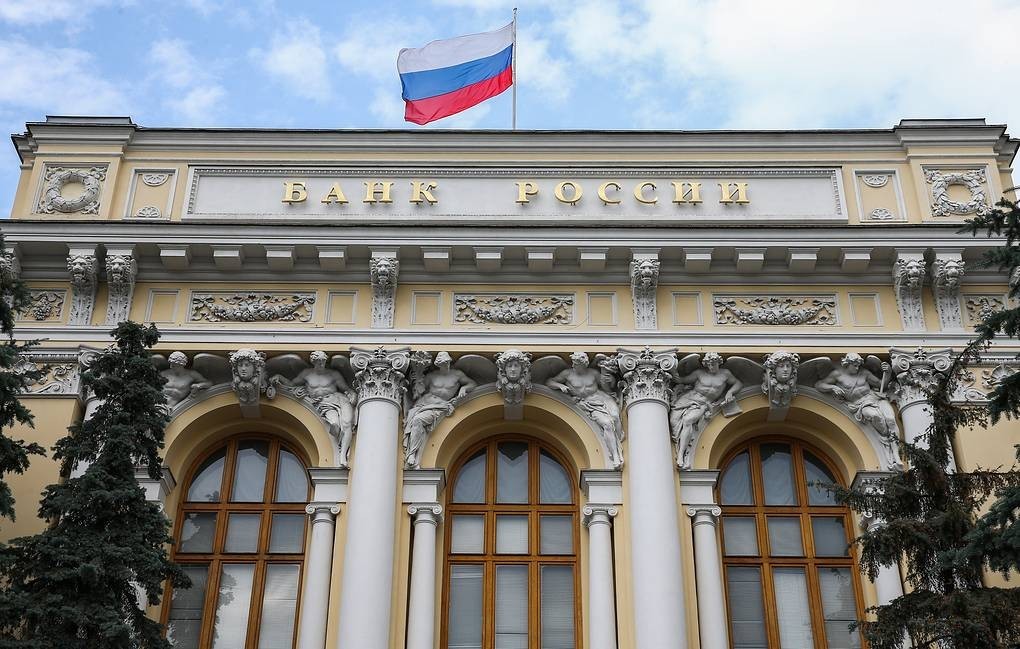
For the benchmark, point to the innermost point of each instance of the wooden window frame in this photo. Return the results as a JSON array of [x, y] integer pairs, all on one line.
[[805, 511], [261, 558], [489, 559]]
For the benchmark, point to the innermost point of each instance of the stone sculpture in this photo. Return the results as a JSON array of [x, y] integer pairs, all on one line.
[[592, 390], [862, 392], [513, 380], [433, 394], [713, 387], [780, 382], [181, 382], [330, 393]]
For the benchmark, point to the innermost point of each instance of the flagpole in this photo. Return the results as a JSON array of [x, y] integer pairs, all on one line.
[[513, 72]]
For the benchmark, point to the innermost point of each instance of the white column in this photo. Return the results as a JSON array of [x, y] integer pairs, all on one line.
[[708, 571], [915, 373], [659, 614], [318, 571], [601, 588], [888, 583], [156, 492], [421, 605], [367, 583]]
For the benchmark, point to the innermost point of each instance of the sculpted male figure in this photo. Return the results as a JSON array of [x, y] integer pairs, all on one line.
[[859, 389], [434, 401], [713, 386], [585, 385], [181, 382], [332, 396]]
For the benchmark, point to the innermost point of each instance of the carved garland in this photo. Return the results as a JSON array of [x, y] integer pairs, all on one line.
[[980, 307], [43, 305], [775, 310], [514, 309], [252, 307], [59, 177], [942, 205]]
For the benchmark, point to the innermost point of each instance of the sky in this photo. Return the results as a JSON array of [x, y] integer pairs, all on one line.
[[613, 64]]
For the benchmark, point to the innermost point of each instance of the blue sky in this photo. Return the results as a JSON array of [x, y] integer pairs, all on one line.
[[677, 64]]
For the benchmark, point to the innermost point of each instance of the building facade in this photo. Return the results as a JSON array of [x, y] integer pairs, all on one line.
[[514, 389]]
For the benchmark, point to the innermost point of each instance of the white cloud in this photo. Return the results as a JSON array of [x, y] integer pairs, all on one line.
[[539, 70], [197, 95], [791, 64], [37, 12], [56, 81], [387, 106], [298, 59], [373, 53]]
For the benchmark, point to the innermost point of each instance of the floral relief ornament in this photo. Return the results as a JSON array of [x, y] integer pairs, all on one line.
[[875, 180], [973, 180], [775, 310], [43, 305], [57, 178], [252, 307], [514, 309]]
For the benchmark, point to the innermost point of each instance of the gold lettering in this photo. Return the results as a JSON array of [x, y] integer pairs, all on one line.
[[335, 195], [423, 191], [525, 190], [639, 193], [733, 193], [575, 191], [686, 192], [372, 188], [294, 192], [602, 193]]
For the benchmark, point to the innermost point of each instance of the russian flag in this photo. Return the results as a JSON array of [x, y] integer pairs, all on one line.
[[448, 76]]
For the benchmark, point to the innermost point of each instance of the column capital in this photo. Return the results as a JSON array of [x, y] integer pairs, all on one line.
[[596, 513], [646, 374], [380, 373], [915, 369], [319, 510], [425, 512], [705, 513]]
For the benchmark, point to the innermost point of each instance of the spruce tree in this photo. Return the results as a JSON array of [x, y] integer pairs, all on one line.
[[931, 512], [14, 453], [74, 584]]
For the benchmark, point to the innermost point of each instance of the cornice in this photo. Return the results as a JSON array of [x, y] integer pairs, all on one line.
[[215, 337]]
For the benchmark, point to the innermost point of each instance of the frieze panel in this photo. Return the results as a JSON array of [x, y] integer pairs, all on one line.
[[59, 373], [44, 305], [787, 310], [972, 179], [514, 308], [86, 201], [979, 307], [251, 307]]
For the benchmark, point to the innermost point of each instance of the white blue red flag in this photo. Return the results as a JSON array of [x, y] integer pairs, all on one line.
[[448, 76]]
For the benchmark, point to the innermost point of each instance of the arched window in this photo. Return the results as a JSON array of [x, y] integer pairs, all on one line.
[[790, 578], [240, 536], [511, 550]]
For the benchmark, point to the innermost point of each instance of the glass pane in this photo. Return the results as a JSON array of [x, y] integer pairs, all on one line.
[[741, 536], [470, 487], [279, 606], [792, 609], [208, 480], [465, 607], [554, 486], [777, 474], [287, 534], [557, 534], [784, 537], [511, 607], [198, 531], [511, 534], [557, 607], [250, 472], [512, 473], [829, 535], [291, 480], [736, 482], [468, 534], [185, 623], [839, 607], [243, 533], [231, 630], [747, 611], [815, 471]]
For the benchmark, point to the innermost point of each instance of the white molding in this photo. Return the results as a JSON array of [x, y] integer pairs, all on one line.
[[163, 291], [875, 297], [329, 307], [701, 309], [894, 178], [615, 307], [136, 177]]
